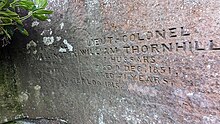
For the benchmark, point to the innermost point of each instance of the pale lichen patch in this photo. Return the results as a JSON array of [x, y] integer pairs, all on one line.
[[35, 23], [49, 20], [31, 44], [48, 40], [61, 25], [58, 38], [62, 50], [69, 46], [37, 89], [35, 52], [23, 97], [42, 33]]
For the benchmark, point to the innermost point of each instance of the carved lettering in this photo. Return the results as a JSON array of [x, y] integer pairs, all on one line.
[[137, 57]]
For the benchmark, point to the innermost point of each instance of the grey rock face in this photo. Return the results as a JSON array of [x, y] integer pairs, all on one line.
[[123, 62]]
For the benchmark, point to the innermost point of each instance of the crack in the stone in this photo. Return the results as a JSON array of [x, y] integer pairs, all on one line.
[[36, 121]]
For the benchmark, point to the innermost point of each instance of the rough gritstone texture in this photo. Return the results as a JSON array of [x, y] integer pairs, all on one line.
[[120, 62]]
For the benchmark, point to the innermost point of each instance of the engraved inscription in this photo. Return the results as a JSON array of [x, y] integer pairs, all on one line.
[[139, 57]]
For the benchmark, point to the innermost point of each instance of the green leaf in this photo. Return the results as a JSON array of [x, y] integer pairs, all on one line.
[[11, 13], [6, 33], [25, 32], [41, 17], [17, 20], [22, 30], [10, 29], [7, 3], [41, 11], [40, 3], [8, 13], [3, 13], [27, 5], [6, 18], [26, 2], [37, 2], [2, 4], [10, 20], [44, 3]]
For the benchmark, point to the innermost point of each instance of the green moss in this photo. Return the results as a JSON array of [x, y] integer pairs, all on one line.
[[9, 104]]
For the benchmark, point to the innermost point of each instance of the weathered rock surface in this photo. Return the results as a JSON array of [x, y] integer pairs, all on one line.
[[123, 62]]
